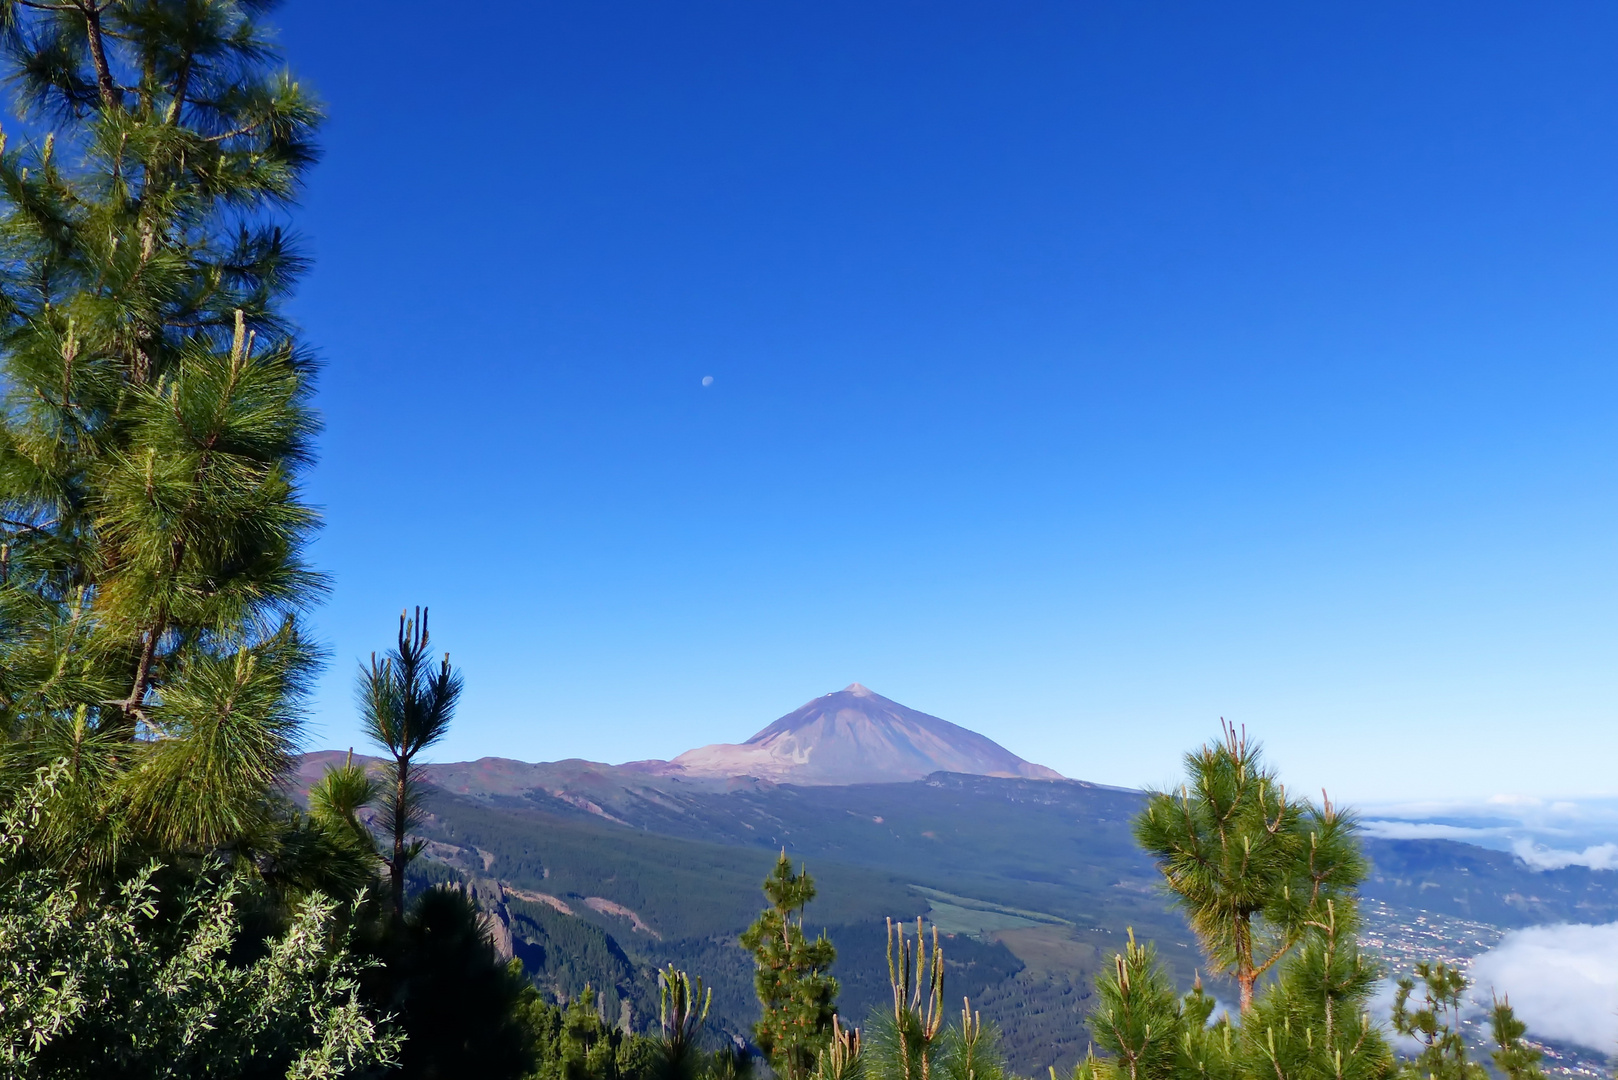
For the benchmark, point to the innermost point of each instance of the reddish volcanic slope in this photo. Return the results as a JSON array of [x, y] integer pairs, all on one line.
[[852, 737]]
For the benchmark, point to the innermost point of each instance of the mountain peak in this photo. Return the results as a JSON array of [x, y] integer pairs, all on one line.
[[855, 736]]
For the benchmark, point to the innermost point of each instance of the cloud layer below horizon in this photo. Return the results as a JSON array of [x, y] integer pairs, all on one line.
[[1534, 855], [1429, 830], [1596, 856], [1542, 834], [1562, 980]]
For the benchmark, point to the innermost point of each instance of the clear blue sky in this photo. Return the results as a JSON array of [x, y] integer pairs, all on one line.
[[1082, 373]]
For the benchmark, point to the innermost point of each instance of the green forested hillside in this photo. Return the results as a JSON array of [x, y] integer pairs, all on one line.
[[1034, 882]]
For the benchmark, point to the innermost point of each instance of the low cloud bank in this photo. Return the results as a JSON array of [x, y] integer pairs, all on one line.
[[1592, 818], [1596, 857], [1535, 856], [1562, 980], [1425, 830]]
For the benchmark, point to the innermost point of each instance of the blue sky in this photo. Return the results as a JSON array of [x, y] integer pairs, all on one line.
[[1082, 373]]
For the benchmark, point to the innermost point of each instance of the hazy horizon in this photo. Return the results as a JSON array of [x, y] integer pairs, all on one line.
[[1500, 820]]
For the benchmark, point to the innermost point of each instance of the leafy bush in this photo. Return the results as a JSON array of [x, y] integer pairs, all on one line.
[[111, 984]]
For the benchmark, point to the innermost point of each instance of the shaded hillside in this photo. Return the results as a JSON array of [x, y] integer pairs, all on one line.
[[606, 905]]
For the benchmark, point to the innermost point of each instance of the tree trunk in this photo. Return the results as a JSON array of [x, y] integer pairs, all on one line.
[[1245, 975], [396, 866]]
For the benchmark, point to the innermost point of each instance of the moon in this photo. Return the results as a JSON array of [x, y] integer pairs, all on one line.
[[707, 380]]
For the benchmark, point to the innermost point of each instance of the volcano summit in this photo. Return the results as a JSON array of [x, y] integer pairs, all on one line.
[[855, 736]]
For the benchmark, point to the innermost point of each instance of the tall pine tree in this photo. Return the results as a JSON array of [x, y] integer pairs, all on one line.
[[406, 705], [795, 989], [1251, 867], [156, 422], [1269, 885]]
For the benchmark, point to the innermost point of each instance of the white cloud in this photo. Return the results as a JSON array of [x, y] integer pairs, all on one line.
[[1424, 830], [1537, 814], [1562, 980], [1596, 857]]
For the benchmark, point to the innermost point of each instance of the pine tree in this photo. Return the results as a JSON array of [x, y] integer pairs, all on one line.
[[336, 853], [796, 992], [1512, 1055], [1138, 1019], [972, 1050], [156, 422], [908, 1037], [1269, 884], [1207, 1049], [460, 1006], [843, 1058], [682, 1009], [1310, 1024], [1436, 1024], [1315, 1023], [406, 705], [1250, 867], [573, 1043]]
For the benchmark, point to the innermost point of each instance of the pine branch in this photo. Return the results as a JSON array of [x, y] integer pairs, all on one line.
[[111, 97]]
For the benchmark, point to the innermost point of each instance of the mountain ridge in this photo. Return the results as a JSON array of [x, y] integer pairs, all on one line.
[[850, 736]]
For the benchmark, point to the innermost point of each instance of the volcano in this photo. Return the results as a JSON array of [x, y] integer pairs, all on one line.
[[857, 736]]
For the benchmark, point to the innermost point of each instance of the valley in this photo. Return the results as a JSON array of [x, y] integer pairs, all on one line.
[[598, 874]]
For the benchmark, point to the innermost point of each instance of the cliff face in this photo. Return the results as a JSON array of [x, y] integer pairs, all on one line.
[[856, 736]]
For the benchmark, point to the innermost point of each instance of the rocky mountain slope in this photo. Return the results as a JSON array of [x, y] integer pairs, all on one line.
[[854, 736]]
